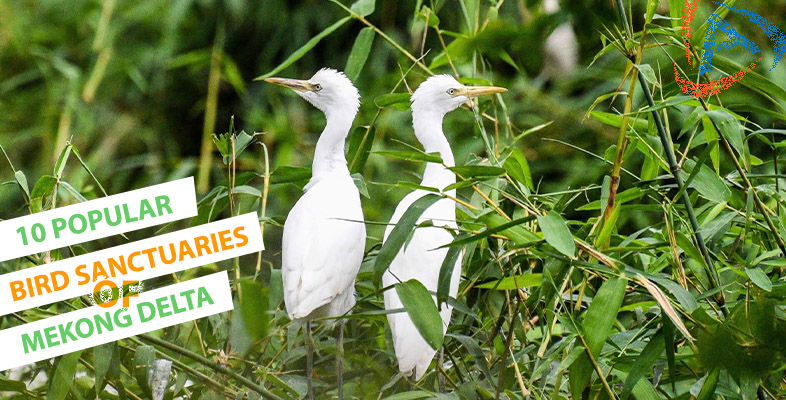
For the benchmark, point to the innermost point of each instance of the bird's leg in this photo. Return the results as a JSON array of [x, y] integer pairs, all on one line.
[[309, 361], [440, 371], [340, 360]]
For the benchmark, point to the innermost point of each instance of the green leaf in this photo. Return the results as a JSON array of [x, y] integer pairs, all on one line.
[[41, 191], [102, 356], [411, 156], [63, 380], [8, 385], [82, 162], [753, 79], [418, 394], [71, 190], [622, 197], [477, 171], [615, 120], [389, 99], [61, 161], [245, 189], [518, 168], [731, 129], [253, 299], [360, 183], [143, 360], [360, 142], [477, 353], [422, 310], [514, 282], [643, 364], [363, 7], [513, 230], [710, 383], [359, 54], [429, 17], [446, 272], [759, 278], [400, 233], [557, 234], [306, 47], [706, 182], [596, 328], [288, 174], [21, 180], [648, 73]]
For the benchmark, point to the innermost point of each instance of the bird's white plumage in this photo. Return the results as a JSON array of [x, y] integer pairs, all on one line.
[[561, 47], [322, 249], [421, 259], [324, 234]]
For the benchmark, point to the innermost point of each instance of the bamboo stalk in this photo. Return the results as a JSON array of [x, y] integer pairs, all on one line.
[[212, 365], [674, 168], [211, 110]]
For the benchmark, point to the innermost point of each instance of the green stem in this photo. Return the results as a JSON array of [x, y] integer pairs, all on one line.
[[211, 110], [675, 168], [212, 365], [748, 185]]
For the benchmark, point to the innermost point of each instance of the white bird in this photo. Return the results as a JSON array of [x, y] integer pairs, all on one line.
[[324, 234], [561, 47], [421, 259]]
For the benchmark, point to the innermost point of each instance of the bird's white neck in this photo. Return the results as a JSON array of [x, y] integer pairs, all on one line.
[[329, 154], [428, 130]]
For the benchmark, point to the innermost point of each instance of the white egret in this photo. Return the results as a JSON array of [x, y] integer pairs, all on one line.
[[421, 259], [324, 234], [561, 48]]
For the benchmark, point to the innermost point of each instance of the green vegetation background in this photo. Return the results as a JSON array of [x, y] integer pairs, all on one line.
[[136, 86]]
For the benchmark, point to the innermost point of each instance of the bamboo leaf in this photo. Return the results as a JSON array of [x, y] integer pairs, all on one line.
[[477, 353], [557, 234], [400, 100], [422, 310], [360, 142], [411, 156], [518, 168], [514, 282], [363, 7], [710, 383], [596, 328], [63, 380], [477, 171], [400, 233], [288, 174], [359, 53], [446, 272], [759, 278], [21, 180], [643, 364], [253, 299], [8, 385], [143, 362]]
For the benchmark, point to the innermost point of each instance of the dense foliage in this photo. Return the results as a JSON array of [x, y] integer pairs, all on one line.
[[583, 273]]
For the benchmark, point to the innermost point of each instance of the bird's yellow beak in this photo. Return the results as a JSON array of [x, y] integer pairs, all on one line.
[[294, 84], [475, 91]]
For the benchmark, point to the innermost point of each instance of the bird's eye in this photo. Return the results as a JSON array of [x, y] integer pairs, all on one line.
[[317, 87], [451, 91]]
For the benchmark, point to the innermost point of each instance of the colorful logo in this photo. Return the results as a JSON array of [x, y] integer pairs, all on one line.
[[734, 39]]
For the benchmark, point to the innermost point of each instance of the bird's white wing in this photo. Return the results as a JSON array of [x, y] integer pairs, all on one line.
[[323, 243], [420, 260]]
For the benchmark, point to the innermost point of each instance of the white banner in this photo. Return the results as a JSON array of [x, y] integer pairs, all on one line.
[[93, 326], [136, 261], [95, 219]]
